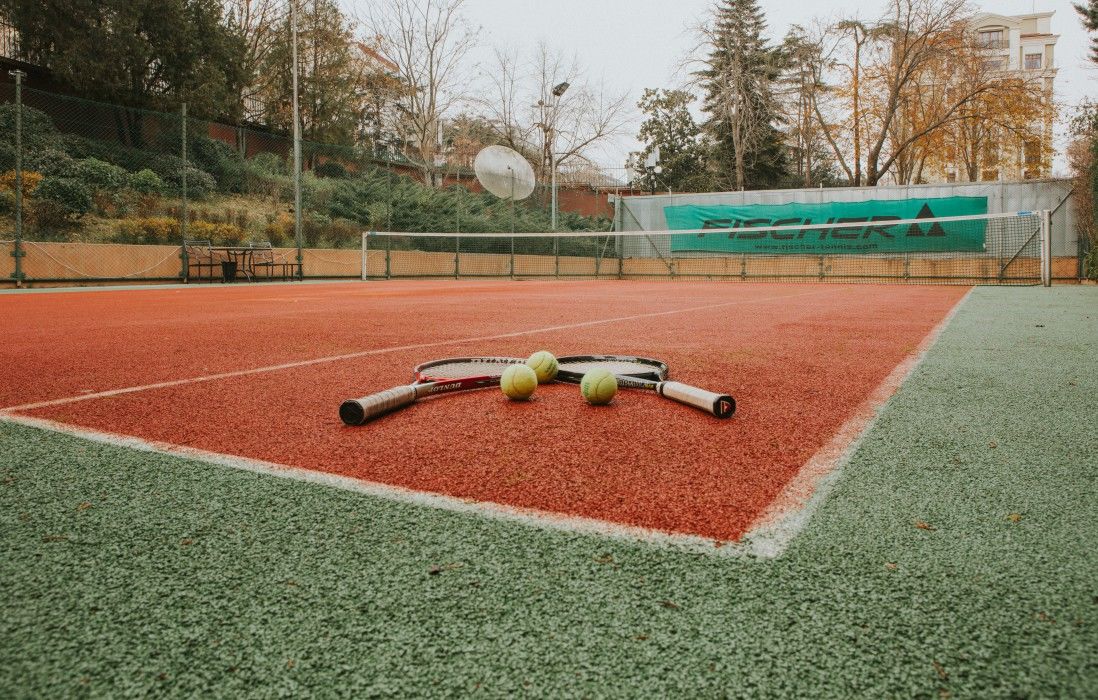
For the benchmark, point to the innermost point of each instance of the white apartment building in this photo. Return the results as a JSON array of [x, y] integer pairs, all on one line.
[[1022, 46]]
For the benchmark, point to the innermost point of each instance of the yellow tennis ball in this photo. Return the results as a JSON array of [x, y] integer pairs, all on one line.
[[518, 382], [544, 365], [599, 386]]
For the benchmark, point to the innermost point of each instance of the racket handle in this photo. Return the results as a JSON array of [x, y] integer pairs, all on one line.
[[719, 405], [359, 411]]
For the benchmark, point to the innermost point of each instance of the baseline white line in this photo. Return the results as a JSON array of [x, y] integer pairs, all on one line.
[[788, 514], [526, 516], [381, 351]]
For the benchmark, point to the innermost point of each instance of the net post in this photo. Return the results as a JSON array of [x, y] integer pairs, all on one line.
[[366, 245], [457, 257], [556, 254], [388, 257], [1046, 248]]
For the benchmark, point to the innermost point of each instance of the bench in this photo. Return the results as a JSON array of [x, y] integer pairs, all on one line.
[[264, 265], [202, 264]]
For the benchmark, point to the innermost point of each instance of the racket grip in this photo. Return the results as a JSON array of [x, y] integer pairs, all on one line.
[[359, 411], [719, 405]]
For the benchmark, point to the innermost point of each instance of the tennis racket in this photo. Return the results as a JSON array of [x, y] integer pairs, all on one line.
[[467, 373], [648, 374]]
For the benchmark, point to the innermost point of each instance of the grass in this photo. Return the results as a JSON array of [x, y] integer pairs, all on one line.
[[953, 559]]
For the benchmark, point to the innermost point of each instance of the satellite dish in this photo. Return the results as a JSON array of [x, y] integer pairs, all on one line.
[[504, 172]]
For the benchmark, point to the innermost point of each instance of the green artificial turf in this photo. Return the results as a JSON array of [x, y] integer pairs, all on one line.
[[954, 558]]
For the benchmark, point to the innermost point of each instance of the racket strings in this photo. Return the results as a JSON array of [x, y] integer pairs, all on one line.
[[620, 367]]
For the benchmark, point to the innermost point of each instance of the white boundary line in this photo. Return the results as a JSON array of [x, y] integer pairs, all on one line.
[[772, 534], [381, 351], [527, 516], [802, 497]]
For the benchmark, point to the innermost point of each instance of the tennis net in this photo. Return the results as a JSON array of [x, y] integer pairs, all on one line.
[[989, 248]]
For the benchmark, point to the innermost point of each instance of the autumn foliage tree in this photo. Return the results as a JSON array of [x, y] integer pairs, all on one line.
[[915, 86]]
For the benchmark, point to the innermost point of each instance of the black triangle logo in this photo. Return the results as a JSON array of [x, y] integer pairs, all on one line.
[[935, 229]]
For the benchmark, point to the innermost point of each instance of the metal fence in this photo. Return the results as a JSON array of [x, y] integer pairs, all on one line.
[[80, 180]]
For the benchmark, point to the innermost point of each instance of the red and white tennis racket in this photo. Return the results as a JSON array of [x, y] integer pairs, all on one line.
[[466, 373]]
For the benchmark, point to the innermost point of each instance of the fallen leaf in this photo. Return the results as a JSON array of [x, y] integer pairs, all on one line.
[[84, 506], [941, 671], [1014, 517], [993, 444], [924, 526], [669, 604], [605, 559], [891, 566]]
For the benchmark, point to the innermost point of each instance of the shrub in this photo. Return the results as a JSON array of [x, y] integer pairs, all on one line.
[[146, 182], [49, 162], [38, 130], [200, 184], [97, 174], [151, 230], [228, 234], [331, 169], [31, 180], [280, 229], [73, 196]]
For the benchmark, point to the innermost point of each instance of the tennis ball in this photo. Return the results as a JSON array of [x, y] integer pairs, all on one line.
[[598, 386], [518, 382], [544, 365]]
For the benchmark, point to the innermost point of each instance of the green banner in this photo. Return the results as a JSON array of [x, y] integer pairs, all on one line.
[[877, 235]]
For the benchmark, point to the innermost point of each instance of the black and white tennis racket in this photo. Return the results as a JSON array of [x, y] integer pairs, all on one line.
[[649, 374], [466, 373]]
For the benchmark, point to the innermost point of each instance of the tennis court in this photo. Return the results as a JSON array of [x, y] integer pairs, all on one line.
[[259, 373], [146, 432]]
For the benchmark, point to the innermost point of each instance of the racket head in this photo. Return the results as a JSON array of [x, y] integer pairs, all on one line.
[[571, 368], [458, 368]]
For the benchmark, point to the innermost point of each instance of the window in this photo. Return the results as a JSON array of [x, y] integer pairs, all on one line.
[[1032, 154], [951, 177], [1033, 61], [992, 39]]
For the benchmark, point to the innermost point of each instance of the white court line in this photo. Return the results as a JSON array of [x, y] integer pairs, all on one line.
[[381, 351], [789, 513], [572, 524]]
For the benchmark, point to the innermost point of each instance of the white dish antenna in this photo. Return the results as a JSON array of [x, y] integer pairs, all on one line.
[[504, 172]]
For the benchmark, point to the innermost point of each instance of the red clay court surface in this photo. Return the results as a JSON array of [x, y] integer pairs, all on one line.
[[800, 360]]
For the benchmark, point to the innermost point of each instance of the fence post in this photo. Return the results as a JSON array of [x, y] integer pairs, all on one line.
[[17, 251], [297, 144], [185, 272], [1046, 247]]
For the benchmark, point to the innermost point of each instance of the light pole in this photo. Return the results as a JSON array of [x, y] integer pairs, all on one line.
[[558, 90]]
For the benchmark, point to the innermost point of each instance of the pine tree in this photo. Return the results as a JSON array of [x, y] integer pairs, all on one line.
[[669, 126], [1089, 13], [745, 146]]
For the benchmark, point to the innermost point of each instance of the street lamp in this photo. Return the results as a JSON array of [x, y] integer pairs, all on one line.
[[558, 90]]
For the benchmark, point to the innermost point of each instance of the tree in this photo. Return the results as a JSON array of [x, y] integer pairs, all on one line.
[[428, 40], [1089, 13], [802, 84], [530, 119], [738, 76], [670, 127], [900, 84], [259, 24], [332, 75], [140, 53]]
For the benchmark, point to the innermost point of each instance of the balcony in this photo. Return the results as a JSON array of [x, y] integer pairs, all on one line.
[[9, 41]]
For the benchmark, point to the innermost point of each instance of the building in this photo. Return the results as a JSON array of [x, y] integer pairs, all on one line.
[[1021, 46]]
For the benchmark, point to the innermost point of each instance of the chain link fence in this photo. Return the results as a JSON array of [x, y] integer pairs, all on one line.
[[100, 192]]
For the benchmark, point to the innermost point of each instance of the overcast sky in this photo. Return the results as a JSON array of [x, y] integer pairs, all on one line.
[[634, 44]]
